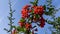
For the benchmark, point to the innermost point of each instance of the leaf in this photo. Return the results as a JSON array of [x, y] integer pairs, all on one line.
[[50, 13], [44, 7], [32, 2], [14, 26], [10, 14], [37, 16], [53, 32], [36, 1], [21, 29], [50, 9], [58, 20], [13, 18], [18, 28], [51, 22], [46, 13], [22, 20], [5, 29]]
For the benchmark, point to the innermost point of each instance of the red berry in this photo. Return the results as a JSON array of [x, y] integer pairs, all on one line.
[[41, 10], [30, 11], [24, 13], [42, 22], [28, 26], [36, 10], [21, 24]]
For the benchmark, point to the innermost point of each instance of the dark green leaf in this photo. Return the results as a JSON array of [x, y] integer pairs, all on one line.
[[50, 9], [37, 16], [22, 20], [44, 7], [21, 29]]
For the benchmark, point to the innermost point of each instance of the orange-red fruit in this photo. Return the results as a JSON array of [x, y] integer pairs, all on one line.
[[30, 11], [21, 24], [41, 10], [42, 22], [24, 13], [28, 26], [36, 10]]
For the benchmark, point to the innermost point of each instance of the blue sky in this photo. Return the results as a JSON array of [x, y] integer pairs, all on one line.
[[17, 5]]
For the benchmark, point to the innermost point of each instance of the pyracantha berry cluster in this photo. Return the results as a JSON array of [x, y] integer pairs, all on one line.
[[32, 14]]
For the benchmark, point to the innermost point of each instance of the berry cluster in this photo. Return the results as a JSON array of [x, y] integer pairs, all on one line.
[[42, 22], [26, 25], [32, 14], [38, 10], [25, 11]]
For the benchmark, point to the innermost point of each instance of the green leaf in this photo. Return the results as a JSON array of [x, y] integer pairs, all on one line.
[[22, 20], [34, 3], [50, 9], [44, 7], [21, 29], [46, 13], [50, 13], [51, 22], [31, 2], [32, 12], [18, 28], [58, 20], [14, 26], [53, 32], [37, 16]]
